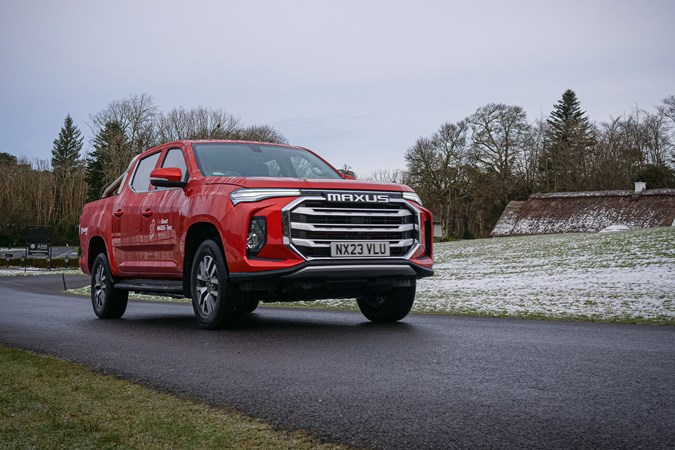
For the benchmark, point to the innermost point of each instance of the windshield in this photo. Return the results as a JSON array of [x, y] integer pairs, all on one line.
[[259, 160]]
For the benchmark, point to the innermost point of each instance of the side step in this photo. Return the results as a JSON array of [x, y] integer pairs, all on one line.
[[163, 287]]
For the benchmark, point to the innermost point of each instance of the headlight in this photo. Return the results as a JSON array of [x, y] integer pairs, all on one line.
[[255, 195], [257, 235], [413, 197]]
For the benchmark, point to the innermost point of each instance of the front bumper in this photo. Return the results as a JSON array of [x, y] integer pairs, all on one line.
[[319, 279], [340, 269]]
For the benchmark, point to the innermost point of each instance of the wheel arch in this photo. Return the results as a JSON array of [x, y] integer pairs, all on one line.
[[96, 246], [196, 234]]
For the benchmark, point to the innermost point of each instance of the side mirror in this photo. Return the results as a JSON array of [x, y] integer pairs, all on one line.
[[347, 175], [167, 177]]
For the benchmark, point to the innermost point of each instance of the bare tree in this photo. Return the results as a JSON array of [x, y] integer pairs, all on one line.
[[435, 168], [203, 123], [657, 142], [260, 133], [615, 158], [15, 210], [667, 110], [535, 147], [500, 134], [39, 188], [198, 123], [389, 176], [136, 115]]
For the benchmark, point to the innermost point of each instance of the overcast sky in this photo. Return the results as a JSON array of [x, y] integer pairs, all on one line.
[[356, 81]]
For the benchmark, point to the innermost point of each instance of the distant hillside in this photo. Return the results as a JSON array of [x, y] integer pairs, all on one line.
[[582, 212]]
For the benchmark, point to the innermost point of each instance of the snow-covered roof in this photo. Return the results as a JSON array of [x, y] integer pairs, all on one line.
[[570, 212]]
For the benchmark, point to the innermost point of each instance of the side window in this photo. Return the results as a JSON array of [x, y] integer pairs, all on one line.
[[141, 180]]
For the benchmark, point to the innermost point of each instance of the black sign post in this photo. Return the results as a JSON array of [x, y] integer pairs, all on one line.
[[40, 249], [39, 243]]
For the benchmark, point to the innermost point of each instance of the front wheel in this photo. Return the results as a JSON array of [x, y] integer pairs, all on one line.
[[391, 306], [108, 302], [217, 303]]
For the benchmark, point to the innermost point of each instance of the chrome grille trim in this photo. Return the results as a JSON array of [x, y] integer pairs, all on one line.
[[352, 227], [311, 223], [326, 243], [365, 212]]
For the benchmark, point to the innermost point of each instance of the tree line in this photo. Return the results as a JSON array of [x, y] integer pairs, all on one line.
[[51, 193], [468, 171]]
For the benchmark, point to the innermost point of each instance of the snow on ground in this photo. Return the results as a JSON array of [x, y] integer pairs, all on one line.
[[608, 276], [600, 276], [14, 271], [614, 228]]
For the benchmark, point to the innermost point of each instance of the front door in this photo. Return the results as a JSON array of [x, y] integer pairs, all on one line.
[[162, 209], [129, 231]]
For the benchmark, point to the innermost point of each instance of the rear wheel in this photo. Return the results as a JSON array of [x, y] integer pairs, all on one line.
[[388, 307], [217, 303], [108, 302], [252, 305]]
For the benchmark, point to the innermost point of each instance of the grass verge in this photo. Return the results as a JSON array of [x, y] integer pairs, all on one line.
[[48, 403]]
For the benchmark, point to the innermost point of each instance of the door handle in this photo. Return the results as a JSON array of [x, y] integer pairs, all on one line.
[[147, 213], [118, 213]]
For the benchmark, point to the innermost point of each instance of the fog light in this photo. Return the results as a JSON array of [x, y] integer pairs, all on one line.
[[257, 235]]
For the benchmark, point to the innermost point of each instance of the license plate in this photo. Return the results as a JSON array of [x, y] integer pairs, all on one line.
[[352, 249]]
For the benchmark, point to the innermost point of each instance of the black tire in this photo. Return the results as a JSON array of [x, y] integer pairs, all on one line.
[[251, 305], [217, 303], [388, 307], [108, 302]]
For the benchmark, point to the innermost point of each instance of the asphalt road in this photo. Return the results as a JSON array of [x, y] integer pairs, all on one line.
[[428, 382]]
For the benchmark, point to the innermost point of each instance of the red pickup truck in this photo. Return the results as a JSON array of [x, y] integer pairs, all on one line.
[[233, 223]]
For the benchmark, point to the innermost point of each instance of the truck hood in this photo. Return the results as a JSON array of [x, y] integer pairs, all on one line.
[[296, 183]]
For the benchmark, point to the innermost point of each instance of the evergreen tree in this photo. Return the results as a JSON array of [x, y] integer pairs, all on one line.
[[569, 140], [7, 159], [111, 151], [67, 178], [66, 150]]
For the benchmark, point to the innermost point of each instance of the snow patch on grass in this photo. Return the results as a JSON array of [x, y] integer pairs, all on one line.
[[13, 272], [628, 276]]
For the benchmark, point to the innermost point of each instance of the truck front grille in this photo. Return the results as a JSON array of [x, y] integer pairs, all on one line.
[[313, 223]]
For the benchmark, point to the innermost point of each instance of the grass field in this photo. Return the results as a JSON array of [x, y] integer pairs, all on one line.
[[626, 276], [50, 404], [622, 276]]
